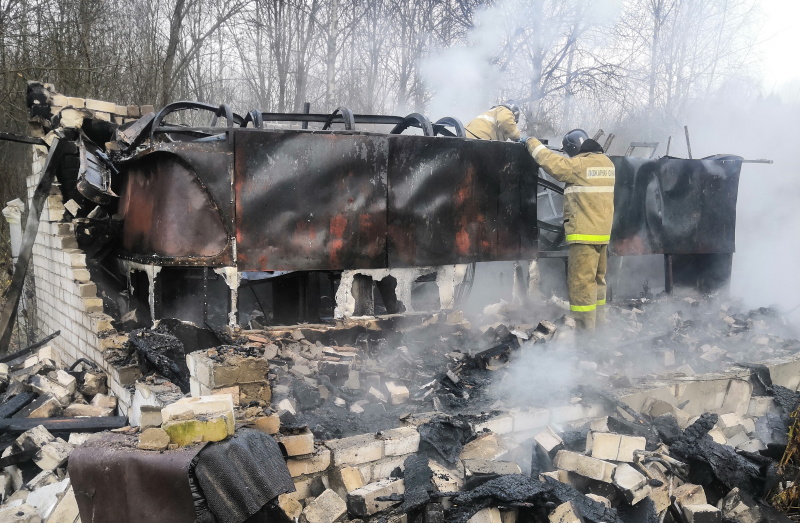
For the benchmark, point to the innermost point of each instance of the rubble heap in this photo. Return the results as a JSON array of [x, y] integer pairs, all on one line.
[[413, 417], [55, 409]]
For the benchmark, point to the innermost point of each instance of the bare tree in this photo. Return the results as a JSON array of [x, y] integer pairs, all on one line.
[[691, 48], [180, 52]]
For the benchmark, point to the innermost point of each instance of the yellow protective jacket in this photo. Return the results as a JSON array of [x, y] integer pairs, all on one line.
[[495, 124], [588, 194]]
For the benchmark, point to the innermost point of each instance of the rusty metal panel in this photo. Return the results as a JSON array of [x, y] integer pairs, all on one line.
[[114, 483], [459, 201], [310, 201], [675, 206], [169, 212]]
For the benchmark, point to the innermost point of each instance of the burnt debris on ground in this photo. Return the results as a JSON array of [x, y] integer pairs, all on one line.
[[672, 417]]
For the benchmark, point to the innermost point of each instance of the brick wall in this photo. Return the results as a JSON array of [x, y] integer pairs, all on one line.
[[66, 297]]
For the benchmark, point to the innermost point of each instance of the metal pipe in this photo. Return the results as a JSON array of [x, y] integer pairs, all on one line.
[[668, 280], [688, 144], [306, 110]]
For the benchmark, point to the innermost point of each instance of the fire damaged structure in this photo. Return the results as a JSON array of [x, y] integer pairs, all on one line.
[[259, 319], [242, 217]]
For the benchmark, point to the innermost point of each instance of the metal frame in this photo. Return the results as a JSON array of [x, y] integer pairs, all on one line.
[[342, 115], [642, 145]]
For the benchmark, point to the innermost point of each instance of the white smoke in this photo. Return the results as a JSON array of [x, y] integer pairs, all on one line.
[[465, 80], [765, 264]]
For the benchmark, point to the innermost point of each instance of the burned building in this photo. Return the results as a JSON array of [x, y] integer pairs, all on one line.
[[306, 283], [209, 224]]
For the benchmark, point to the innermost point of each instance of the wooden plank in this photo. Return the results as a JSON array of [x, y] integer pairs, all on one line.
[[11, 298], [98, 424], [15, 404], [19, 457], [23, 353], [10, 137], [30, 407]]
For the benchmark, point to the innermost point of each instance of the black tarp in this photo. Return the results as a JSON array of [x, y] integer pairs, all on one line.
[[242, 474]]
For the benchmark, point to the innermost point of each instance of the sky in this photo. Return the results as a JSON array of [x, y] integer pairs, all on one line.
[[780, 44]]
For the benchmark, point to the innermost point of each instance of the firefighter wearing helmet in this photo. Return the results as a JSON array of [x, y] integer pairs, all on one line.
[[498, 123], [588, 213]]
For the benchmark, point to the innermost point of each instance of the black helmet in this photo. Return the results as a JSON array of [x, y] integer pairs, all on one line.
[[512, 106], [573, 140]]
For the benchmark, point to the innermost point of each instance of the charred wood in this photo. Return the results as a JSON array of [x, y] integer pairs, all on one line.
[[99, 424]]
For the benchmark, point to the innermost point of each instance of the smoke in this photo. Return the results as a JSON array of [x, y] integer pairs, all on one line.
[[779, 41], [539, 375], [765, 264], [743, 121], [465, 80]]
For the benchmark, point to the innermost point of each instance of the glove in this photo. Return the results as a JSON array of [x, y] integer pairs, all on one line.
[[523, 139]]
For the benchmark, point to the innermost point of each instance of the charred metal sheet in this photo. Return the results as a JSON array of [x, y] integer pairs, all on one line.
[[459, 201], [94, 175], [675, 206], [134, 133], [176, 205], [310, 201], [335, 200], [314, 201], [113, 483]]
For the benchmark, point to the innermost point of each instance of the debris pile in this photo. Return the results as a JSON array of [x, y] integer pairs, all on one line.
[[625, 466], [414, 417], [36, 385], [54, 409], [36, 487]]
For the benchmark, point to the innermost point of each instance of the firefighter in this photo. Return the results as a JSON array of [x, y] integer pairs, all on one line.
[[498, 123], [588, 213]]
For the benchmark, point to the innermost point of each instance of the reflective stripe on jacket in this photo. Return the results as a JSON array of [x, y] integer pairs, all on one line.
[[588, 194], [495, 124]]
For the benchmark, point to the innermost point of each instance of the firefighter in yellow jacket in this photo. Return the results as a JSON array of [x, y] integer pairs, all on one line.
[[498, 123], [588, 213]]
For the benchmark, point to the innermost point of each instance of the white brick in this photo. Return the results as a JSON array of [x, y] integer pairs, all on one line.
[[97, 105], [487, 515], [317, 462], [530, 419], [356, 450], [484, 466], [297, 444], [655, 407], [760, 406], [584, 465], [632, 483], [702, 514], [446, 480], [328, 507], [737, 397], [221, 405], [363, 501], [383, 468], [498, 425], [487, 445], [398, 393], [397, 442], [345, 480], [566, 513], [690, 494], [548, 439], [614, 447]]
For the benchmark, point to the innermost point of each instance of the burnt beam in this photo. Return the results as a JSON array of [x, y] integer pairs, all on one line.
[[15, 404], [97, 424]]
